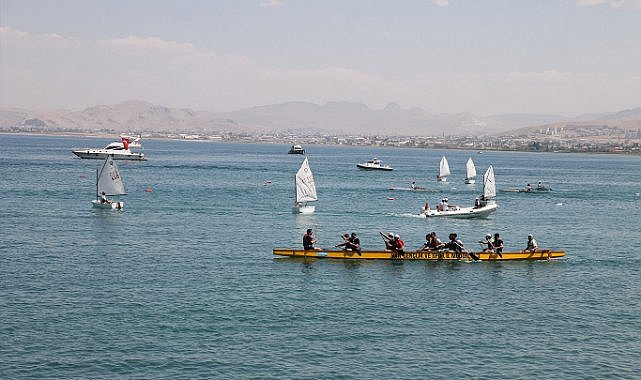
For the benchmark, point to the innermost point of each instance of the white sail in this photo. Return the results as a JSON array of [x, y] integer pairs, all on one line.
[[305, 186], [489, 184], [444, 168], [108, 179], [470, 169]]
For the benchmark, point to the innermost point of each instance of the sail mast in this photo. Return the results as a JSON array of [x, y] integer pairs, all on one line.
[[489, 184], [444, 169], [108, 178], [471, 169], [305, 186]]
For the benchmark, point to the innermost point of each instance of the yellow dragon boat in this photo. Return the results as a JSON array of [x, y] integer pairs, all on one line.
[[538, 254]]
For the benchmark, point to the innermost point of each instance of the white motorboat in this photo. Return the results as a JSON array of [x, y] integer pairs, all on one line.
[[483, 206], [444, 170], [108, 183], [121, 150], [470, 172], [305, 189], [374, 164], [296, 149]]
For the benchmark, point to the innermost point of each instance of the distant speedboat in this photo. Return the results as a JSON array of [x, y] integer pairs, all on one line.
[[296, 149], [374, 164], [120, 150]]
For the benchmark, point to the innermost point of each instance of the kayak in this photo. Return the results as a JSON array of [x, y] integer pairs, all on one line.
[[539, 254]]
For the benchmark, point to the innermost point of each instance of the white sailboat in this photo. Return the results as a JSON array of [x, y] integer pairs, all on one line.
[[489, 185], [470, 170], [305, 189], [444, 170], [483, 205], [108, 183]]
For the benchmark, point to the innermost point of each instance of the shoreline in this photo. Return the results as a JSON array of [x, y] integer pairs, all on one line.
[[245, 139]]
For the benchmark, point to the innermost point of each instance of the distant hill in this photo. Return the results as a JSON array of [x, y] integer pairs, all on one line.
[[594, 126], [291, 117]]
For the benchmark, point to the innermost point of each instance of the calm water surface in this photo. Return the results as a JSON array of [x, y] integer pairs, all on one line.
[[182, 284]]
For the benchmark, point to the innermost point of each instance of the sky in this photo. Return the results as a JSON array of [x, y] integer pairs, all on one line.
[[487, 57]]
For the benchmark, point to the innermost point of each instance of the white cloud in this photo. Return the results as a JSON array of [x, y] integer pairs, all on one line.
[[167, 72], [147, 43], [272, 3], [616, 4], [51, 71]]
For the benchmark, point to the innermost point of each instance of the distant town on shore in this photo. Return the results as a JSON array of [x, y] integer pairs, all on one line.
[[630, 144], [310, 124]]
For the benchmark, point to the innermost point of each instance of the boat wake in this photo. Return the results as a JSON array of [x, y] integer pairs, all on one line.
[[407, 215]]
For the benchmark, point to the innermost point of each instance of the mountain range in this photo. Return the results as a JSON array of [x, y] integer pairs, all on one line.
[[298, 118]]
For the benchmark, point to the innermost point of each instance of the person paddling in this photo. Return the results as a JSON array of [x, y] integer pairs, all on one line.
[[455, 244], [532, 245], [351, 243], [389, 240], [399, 246], [489, 247], [309, 241], [498, 244]]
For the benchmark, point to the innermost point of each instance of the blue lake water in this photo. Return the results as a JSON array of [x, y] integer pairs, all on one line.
[[183, 284]]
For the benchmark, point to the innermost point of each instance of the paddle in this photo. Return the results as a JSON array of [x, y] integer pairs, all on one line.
[[473, 255]]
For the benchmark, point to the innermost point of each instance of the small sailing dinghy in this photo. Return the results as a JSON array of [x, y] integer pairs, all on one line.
[[108, 183], [305, 190], [470, 171], [444, 170]]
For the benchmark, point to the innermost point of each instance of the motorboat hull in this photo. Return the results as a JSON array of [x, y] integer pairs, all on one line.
[[373, 167], [304, 209], [113, 205], [539, 254], [101, 154], [463, 212]]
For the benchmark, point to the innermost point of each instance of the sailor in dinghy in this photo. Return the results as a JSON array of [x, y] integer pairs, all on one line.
[[108, 183], [305, 190]]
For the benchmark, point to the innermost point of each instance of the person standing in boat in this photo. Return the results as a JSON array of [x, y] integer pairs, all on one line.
[[532, 245], [498, 244], [477, 203], [309, 241]]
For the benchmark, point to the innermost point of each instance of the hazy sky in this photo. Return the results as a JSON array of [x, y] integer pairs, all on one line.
[[485, 57]]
